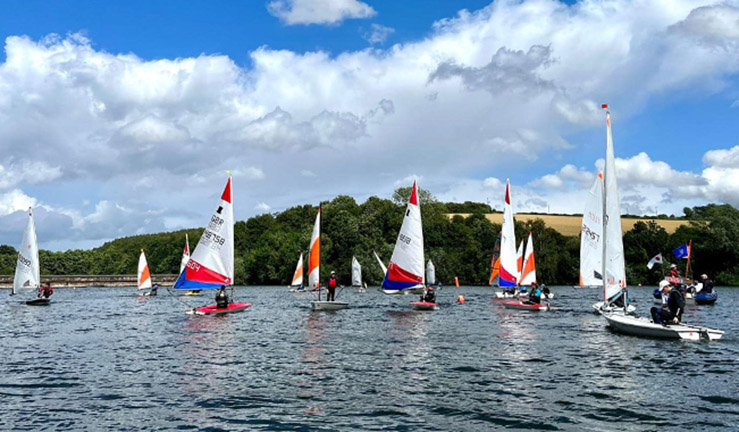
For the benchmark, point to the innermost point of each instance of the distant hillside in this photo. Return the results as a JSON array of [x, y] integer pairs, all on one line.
[[570, 225]]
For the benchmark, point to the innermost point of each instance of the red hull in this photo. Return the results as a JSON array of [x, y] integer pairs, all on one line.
[[524, 306], [424, 305], [214, 310]]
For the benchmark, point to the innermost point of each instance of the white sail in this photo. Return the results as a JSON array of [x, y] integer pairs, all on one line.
[[528, 268], [406, 269], [211, 264], [508, 266], [185, 254], [615, 269], [382, 265], [430, 273], [591, 237], [314, 259], [356, 273], [143, 276], [27, 270], [298, 275]]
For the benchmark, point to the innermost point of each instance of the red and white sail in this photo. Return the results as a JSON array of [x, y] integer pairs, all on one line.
[[314, 259], [519, 260], [211, 264], [298, 275], [509, 271], [143, 274], [185, 254], [406, 269], [528, 269]]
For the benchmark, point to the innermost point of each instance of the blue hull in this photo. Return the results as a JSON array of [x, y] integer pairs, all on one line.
[[706, 299]]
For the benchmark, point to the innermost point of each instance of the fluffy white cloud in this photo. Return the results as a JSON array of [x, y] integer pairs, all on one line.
[[319, 11], [485, 95], [263, 207]]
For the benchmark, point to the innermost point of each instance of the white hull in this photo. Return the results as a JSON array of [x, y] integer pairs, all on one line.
[[598, 307], [502, 294], [415, 291], [635, 326], [328, 305]]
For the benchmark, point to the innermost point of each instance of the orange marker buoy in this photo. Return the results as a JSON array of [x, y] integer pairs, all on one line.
[[456, 281], [461, 299]]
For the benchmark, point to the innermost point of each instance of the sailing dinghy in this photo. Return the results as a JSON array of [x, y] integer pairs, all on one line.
[[520, 305], [211, 264], [143, 277], [357, 275], [297, 282], [27, 271], [314, 273], [613, 267]]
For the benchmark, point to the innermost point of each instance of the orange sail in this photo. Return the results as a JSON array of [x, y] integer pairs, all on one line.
[[314, 260]]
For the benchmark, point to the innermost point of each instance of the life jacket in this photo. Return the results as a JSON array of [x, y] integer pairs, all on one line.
[[332, 283]]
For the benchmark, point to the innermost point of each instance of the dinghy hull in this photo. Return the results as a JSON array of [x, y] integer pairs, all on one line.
[[641, 327], [517, 305], [706, 299], [424, 306], [598, 308], [215, 310], [328, 305], [39, 302]]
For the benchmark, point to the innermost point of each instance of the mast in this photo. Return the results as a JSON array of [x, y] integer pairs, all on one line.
[[690, 252], [604, 275]]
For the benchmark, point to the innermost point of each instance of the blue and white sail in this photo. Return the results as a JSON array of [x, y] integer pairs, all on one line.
[[406, 267]]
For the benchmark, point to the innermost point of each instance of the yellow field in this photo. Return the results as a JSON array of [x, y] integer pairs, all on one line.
[[571, 225]]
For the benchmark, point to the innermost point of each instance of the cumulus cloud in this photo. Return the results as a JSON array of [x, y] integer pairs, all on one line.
[[293, 12], [378, 34], [262, 207], [484, 95]]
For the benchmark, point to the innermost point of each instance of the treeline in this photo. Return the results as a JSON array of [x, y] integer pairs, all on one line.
[[268, 246]]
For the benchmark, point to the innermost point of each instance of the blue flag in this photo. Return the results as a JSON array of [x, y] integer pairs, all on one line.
[[682, 251]]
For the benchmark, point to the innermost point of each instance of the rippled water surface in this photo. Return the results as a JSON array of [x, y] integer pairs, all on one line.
[[101, 359]]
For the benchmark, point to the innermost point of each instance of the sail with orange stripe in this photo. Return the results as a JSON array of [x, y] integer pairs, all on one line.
[[528, 272], [314, 260], [298, 275], [143, 275], [495, 262]]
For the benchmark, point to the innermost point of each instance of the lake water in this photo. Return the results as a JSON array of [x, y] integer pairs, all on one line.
[[101, 359]]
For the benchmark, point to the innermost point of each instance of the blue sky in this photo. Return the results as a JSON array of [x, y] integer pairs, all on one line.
[[118, 118]]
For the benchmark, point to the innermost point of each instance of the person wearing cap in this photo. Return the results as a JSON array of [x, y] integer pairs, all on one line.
[[331, 285], [673, 312], [707, 284], [673, 271]]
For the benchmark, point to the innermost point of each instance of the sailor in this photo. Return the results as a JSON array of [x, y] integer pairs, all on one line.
[[331, 285], [154, 290], [622, 298], [545, 290], [707, 284], [673, 271], [430, 296], [46, 291], [673, 312], [534, 294], [222, 298]]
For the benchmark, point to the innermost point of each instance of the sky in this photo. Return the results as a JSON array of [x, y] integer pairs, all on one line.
[[122, 118]]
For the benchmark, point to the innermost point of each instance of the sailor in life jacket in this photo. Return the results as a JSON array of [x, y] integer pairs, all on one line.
[[331, 285]]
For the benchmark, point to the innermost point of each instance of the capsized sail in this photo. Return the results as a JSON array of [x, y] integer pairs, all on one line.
[[185, 254], [509, 273], [314, 259], [430, 273], [211, 264], [528, 272], [143, 276], [406, 269], [614, 266], [298, 275], [382, 265], [27, 270], [356, 273], [591, 237]]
